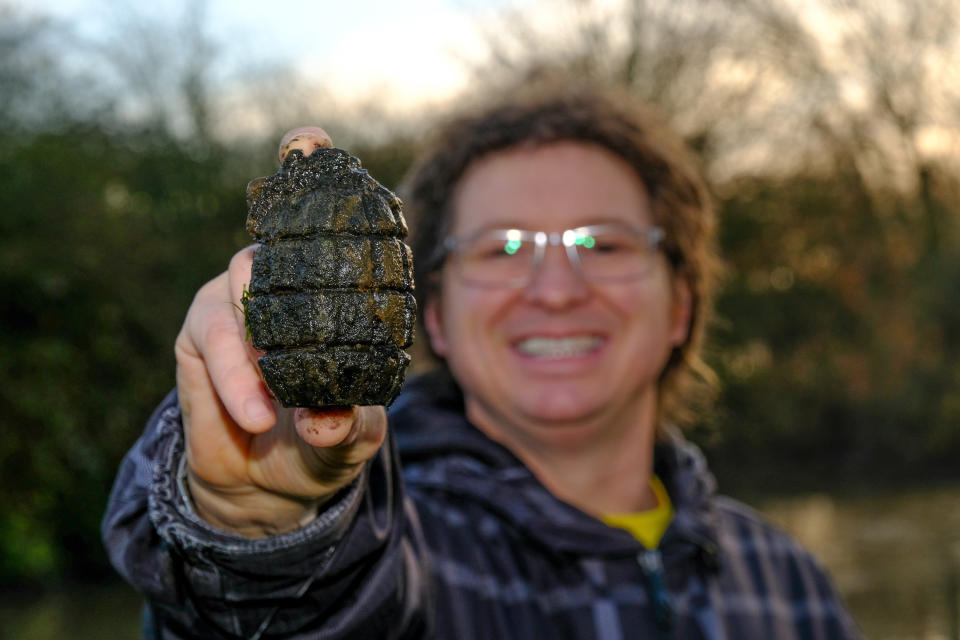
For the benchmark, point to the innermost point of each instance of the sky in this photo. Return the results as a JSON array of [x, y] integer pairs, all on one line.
[[414, 52], [414, 48]]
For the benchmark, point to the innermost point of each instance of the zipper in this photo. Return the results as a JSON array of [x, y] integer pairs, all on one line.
[[651, 563]]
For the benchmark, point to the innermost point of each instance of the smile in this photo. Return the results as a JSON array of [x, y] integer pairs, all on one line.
[[555, 348]]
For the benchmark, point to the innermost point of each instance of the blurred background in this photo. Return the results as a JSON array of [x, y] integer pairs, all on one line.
[[830, 133]]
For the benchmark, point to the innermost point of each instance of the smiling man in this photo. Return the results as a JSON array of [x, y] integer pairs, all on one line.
[[536, 484]]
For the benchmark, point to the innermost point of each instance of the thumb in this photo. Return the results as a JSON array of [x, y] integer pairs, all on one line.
[[327, 426], [340, 440]]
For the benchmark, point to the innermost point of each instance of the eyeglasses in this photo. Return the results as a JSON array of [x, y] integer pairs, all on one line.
[[510, 257]]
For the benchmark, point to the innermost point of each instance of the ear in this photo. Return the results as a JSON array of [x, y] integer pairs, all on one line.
[[681, 310], [432, 322]]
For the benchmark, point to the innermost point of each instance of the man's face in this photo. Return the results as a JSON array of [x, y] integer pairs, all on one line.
[[561, 351]]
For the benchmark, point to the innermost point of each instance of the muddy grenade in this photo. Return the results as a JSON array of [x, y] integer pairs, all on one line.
[[330, 299]]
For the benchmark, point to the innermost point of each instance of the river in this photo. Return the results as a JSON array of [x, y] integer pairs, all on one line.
[[895, 559]]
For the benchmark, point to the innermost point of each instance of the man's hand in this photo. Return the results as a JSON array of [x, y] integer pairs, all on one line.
[[254, 468]]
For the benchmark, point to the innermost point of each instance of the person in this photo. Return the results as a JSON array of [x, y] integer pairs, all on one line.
[[536, 484]]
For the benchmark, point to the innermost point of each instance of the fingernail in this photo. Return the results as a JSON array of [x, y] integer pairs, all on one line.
[[256, 410]]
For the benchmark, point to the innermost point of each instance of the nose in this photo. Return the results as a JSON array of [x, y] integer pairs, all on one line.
[[556, 283]]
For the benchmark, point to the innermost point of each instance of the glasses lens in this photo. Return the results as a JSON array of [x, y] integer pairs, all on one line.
[[508, 257], [613, 253], [500, 257]]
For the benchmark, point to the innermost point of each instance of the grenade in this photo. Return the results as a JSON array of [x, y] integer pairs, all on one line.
[[330, 300]]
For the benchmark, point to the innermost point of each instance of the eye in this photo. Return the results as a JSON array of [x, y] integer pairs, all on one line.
[[498, 245], [609, 242], [604, 243], [512, 246], [586, 241]]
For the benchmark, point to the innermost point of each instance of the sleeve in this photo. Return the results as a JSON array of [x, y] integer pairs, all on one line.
[[358, 570]]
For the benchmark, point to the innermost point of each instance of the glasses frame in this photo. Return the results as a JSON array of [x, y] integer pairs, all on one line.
[[654, 237]]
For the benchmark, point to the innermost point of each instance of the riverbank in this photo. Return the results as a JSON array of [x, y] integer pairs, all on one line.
[[895, 557]]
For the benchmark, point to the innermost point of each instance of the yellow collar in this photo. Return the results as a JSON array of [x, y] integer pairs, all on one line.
[[646, 526]]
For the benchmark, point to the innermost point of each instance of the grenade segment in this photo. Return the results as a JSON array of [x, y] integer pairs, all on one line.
[[326, 192], [336, 375], [332, 317], [330, 297], [332, 261]]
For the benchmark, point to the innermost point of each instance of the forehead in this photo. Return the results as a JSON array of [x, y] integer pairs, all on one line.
[[550, 187]]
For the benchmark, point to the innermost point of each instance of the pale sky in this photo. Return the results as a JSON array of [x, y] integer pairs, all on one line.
[[414, 48], [411, 47], [411, 51]]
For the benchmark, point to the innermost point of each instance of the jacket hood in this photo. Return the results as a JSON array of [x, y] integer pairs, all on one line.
[[441, 450]]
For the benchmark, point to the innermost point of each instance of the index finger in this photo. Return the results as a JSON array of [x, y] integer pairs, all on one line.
[[229, 357], [306, 139]]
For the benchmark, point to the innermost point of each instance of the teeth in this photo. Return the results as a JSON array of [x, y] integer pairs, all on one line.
[[568, 347]]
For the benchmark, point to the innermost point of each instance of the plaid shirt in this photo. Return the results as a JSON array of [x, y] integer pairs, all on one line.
[[464, 544]]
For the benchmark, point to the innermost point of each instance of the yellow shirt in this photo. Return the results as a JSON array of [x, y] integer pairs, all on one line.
[[646, 526]]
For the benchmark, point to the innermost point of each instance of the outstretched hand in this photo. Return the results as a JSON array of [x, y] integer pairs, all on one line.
[[254, 468]]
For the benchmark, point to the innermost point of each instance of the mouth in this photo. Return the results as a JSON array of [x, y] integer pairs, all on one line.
[[551, 348]]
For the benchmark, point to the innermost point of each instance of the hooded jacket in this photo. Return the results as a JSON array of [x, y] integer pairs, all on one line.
[[447, 534]]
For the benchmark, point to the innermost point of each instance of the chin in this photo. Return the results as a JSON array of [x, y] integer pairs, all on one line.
[[560, 408]]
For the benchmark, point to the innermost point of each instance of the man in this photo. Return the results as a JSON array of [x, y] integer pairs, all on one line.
[[534, 486]]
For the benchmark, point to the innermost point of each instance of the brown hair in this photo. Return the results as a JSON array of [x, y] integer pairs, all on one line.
[[551, 110]]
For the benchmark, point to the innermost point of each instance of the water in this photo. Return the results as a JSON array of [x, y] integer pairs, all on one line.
[[89, 612], [895, 559]]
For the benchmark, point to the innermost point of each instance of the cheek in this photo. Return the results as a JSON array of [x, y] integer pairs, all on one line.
[[471, 318], [649, 314], [447, 318], [466, 347], [463, 322]]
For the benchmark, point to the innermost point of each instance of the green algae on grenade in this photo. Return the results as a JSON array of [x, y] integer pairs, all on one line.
[[331, 292]]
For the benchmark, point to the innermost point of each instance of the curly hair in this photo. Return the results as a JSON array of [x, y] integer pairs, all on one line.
[[550, 110]]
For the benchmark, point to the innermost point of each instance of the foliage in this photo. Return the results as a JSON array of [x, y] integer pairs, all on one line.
[[109, 239], [837, 343]]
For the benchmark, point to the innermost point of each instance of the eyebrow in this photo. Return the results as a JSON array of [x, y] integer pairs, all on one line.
[[588, 222]]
